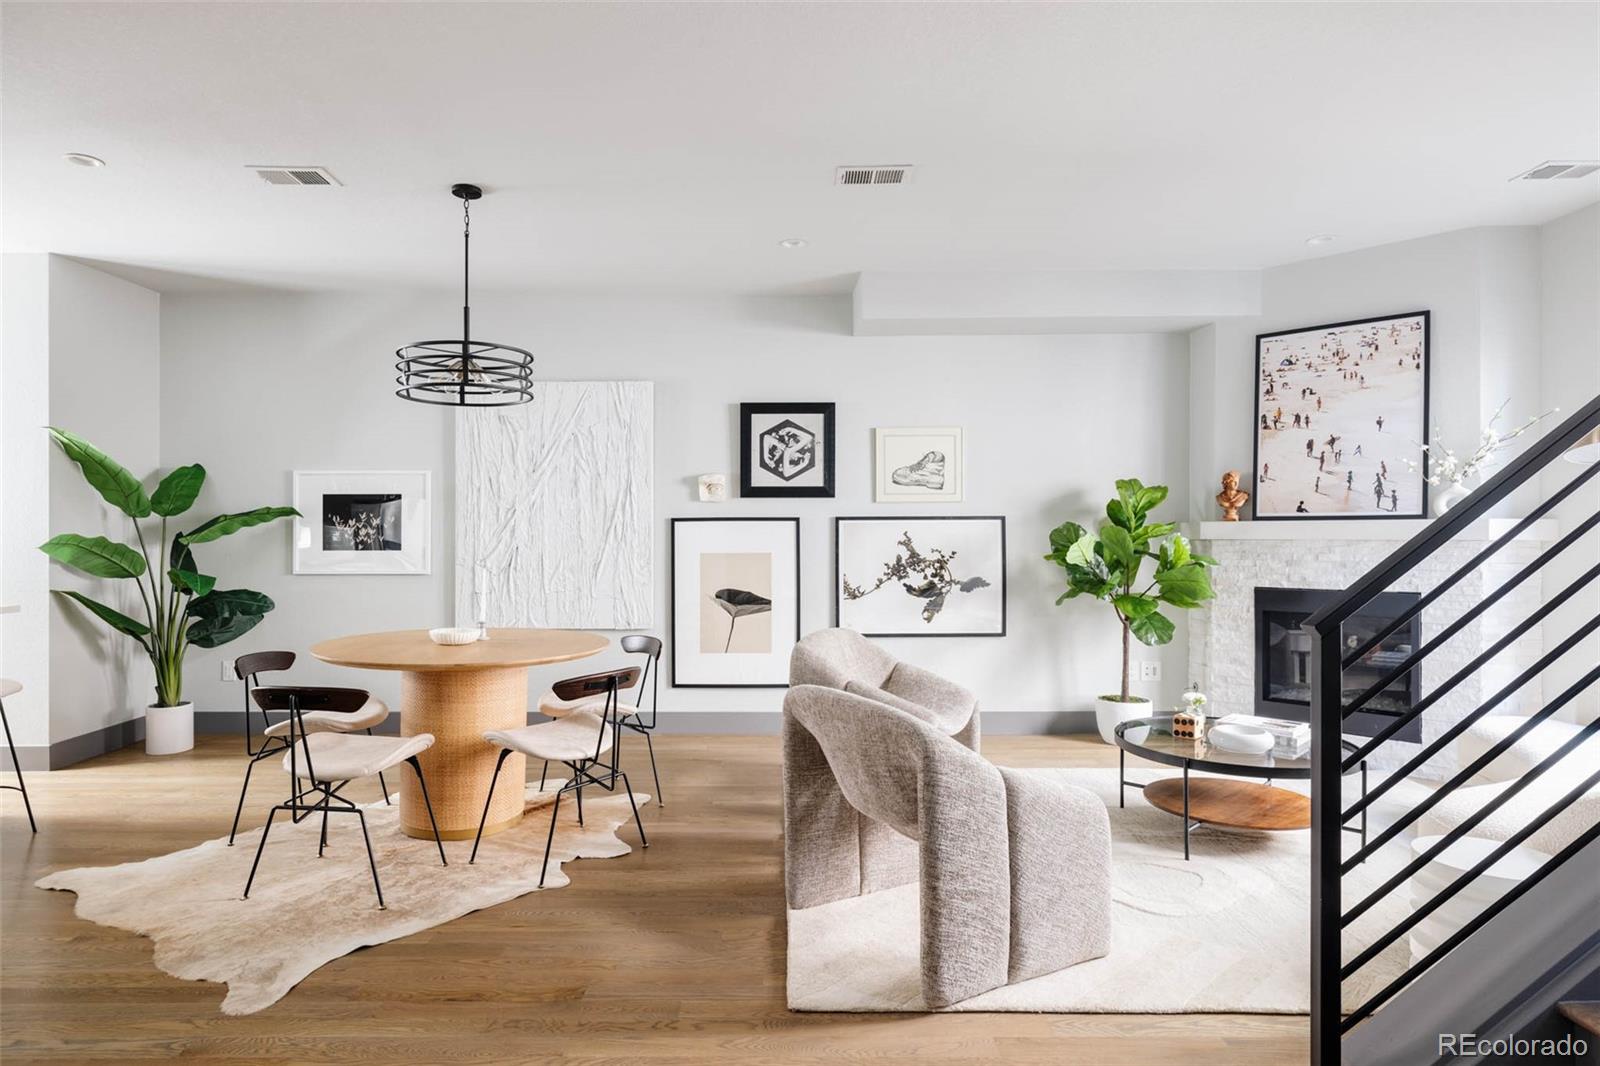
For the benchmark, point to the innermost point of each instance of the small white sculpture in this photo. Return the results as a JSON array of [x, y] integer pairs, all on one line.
[[713, 488]]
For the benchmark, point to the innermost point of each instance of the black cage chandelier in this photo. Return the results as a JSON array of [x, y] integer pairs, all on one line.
[[465, 372]]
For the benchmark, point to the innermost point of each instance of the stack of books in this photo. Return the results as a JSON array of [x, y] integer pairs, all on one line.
[[1290, 740]]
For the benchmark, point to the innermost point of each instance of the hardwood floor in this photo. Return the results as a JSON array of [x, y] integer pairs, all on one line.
[[671, 955]]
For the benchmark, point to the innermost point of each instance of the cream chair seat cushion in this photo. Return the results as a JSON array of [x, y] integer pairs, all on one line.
[[563, 740], [371, 713], [9, 687], [553, 706], [347, 756]]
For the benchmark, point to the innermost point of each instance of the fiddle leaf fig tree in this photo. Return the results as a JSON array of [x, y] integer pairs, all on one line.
[[1107, 565], [183, 608]]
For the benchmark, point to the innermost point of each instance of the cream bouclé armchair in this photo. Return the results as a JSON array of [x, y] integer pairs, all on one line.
[[883, 786]]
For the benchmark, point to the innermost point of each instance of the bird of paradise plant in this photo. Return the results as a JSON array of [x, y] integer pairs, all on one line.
[[185, 608]]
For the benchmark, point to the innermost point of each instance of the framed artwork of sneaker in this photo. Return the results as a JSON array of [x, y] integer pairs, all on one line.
[[921, 464]]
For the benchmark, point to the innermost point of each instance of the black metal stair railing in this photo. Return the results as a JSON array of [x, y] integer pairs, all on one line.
[[1330, 916]]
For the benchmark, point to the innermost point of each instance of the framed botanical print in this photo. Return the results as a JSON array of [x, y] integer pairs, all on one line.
[[363, 522], [1340, 416], [735, 601], [921, 577], [918, 465], [786, 449]]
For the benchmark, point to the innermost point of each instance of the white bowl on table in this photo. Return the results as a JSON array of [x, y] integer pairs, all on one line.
[[453, 635], [1240, 739]]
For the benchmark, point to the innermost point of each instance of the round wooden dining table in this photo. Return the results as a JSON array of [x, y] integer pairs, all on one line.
[[457, 693]]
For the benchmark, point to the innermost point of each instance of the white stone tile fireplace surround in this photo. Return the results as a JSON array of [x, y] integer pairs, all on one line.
[[1323, 554]]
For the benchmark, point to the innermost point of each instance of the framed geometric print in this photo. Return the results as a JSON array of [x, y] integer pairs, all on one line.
[[785, 449]]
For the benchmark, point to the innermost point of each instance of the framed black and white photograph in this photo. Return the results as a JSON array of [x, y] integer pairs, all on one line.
[[735, 601], [1341, 414], [363, 522], [918, 464], [921, 577], [786, 449]]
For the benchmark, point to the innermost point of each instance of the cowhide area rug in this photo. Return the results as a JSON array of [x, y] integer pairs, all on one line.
[[1226, 932], [304, 911]]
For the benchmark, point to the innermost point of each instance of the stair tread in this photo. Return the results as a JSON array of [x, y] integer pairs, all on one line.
[[1585, 1014]]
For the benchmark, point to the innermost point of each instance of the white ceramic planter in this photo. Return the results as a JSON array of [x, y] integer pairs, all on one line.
[[168, 730], [1445, 497], [1108, 714]]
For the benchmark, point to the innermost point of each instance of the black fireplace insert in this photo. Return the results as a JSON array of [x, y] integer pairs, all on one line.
[[1283, 658]]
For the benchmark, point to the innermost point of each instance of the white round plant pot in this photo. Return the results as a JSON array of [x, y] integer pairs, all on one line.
[[168, 730], [1445, 497], [1110, 713]]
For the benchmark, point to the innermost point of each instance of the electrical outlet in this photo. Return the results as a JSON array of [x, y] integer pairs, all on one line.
[[1149, 671], [227, 669]]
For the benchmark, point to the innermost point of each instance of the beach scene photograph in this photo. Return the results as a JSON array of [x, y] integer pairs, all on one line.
[[1341, 415]]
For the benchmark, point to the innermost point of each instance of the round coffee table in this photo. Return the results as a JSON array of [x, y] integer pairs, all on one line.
[[1210, 801]]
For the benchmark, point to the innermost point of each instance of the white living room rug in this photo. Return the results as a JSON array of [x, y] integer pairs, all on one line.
[[1226, 932], [304, 911]]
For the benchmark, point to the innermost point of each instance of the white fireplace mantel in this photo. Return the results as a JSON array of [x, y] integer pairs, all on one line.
[[1333, 553], [1543, 531]]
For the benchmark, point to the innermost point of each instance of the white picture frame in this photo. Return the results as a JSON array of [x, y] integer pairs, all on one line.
[[919, 464], [363, 522], [735, 601], [920, 576]]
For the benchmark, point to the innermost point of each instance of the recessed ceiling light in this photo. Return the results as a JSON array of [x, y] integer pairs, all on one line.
[[1321, 238], [78, 159], [793, 242]]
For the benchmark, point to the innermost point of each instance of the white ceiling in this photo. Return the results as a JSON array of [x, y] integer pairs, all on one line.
[[673, 145]]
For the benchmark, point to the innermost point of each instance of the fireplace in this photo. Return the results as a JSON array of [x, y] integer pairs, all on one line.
[[1283, 658]]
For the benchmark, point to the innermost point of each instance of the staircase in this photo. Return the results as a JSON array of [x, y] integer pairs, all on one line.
[[1515, 960]]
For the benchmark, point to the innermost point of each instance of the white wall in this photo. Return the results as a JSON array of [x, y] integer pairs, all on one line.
[[25, 493], [105, 386], [1570, 324], [255, 386], [1515, 316], [1481, 286], [83, 352]]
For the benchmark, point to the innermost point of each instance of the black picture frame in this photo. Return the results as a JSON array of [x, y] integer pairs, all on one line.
[[1255, 422], [838, 576], [748, 412], [672, 586]]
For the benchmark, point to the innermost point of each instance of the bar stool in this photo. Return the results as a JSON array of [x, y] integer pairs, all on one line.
[[330, 760], [275, 735], [9, 687], [578, 740]]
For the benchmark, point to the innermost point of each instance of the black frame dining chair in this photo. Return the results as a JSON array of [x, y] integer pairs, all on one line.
[[606, 685], [248, 668], [11, 688], [297, 700], [650, 648]]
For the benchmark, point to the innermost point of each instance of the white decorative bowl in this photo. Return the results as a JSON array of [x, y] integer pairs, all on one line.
[[1242, 739], [453, 636]]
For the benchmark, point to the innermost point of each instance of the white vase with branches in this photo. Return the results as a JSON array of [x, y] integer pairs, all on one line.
[[1450, 475]]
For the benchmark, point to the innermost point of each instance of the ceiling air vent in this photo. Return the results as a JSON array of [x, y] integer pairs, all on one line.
[[1559, 168], [892, 174], [295, 175]]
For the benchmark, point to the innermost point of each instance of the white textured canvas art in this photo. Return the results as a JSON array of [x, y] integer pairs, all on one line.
[[554, 505]]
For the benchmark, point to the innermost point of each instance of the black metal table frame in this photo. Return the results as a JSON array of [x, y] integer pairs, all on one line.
[[1228, 769]]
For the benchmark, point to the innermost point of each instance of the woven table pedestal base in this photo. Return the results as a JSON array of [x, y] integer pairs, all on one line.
[[458, 707]]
